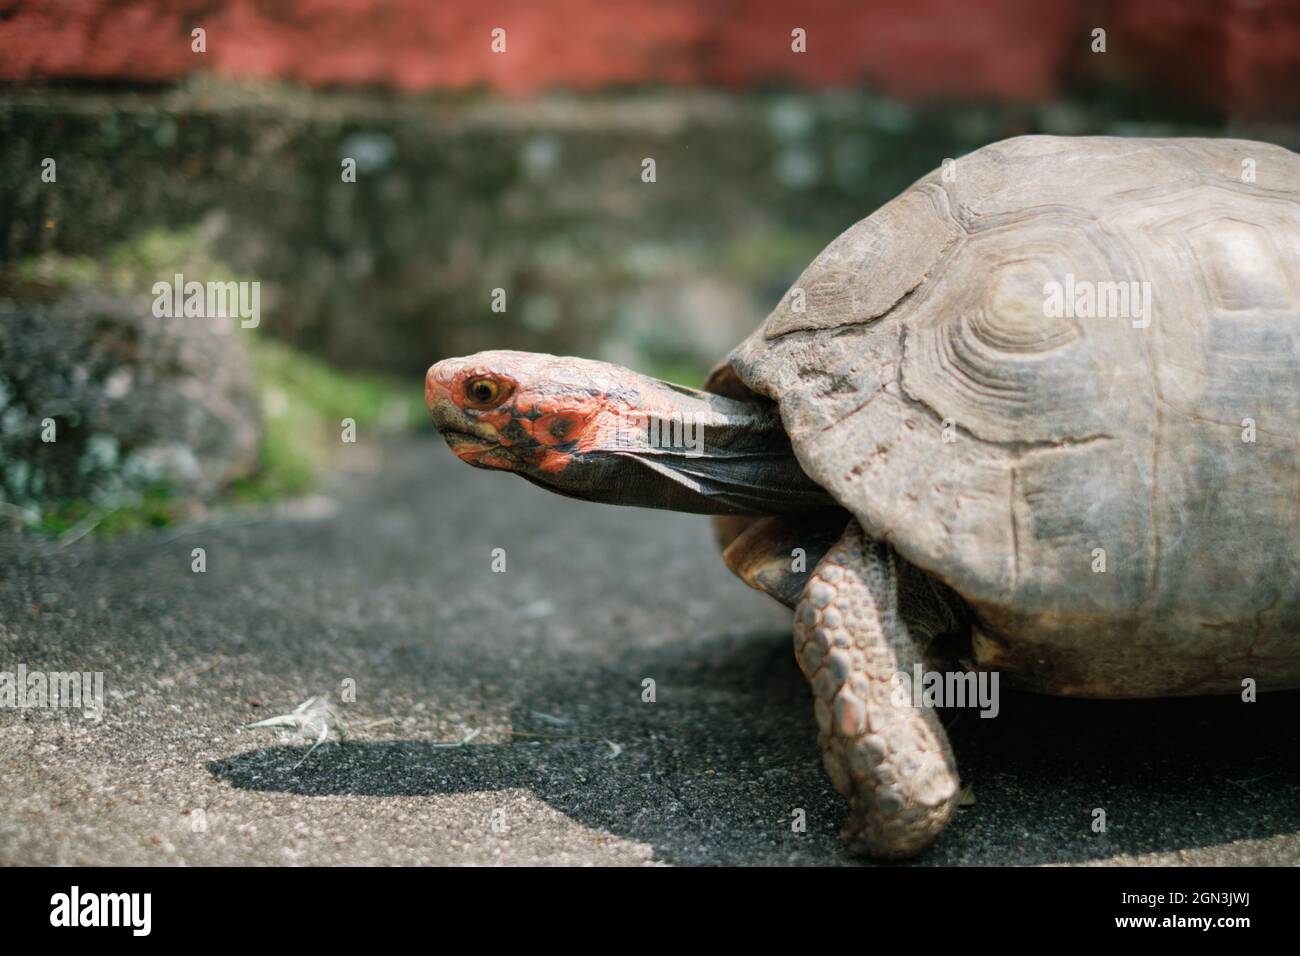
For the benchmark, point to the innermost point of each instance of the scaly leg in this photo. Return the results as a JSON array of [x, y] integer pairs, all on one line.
[[890, 758]]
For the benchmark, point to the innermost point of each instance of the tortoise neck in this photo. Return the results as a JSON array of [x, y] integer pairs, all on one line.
[[680, 449]]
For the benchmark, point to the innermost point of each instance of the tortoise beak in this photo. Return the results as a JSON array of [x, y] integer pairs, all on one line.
[[446, 415], [436, 394]]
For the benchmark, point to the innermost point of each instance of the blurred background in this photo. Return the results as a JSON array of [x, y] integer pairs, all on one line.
[[496, 146]]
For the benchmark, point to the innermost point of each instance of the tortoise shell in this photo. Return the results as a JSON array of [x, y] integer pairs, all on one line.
[[1062, 376]]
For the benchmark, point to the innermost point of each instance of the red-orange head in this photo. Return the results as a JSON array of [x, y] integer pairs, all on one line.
[[602, 432]]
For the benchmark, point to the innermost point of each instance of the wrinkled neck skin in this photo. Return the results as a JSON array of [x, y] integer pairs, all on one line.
[[683, 450], [603, 433]]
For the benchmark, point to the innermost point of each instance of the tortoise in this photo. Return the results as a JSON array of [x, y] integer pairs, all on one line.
[[1035, 417]]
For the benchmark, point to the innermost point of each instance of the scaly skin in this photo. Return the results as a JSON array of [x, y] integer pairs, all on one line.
[[891, 759]]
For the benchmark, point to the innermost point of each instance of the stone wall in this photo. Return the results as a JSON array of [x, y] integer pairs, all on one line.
[[542, 198], [1241, 57]]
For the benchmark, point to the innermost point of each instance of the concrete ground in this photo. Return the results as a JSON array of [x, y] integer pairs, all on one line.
[[386, 580]]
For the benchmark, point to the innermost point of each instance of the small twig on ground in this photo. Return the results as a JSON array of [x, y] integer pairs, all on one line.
[[195, 671], [460, 743], [1242, 784], [616, 748], [553, 721], [80, 529], [211, 526]]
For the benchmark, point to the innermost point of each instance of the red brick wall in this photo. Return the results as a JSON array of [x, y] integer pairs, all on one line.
[[1240, 55]]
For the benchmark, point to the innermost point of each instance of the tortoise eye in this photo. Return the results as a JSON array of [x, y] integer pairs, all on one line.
[[483, 392]]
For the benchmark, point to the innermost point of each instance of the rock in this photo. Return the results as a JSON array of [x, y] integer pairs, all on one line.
[[102, 400]]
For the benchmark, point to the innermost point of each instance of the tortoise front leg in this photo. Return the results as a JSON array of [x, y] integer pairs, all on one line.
[[891, 759]]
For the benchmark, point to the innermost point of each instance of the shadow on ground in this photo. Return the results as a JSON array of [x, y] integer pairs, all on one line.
[[1170, 775]]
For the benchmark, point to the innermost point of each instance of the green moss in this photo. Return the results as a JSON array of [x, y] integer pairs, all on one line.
[[153, 508], [303, 400], [129, 266]]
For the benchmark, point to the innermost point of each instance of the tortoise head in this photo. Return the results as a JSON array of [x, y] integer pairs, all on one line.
[[527, 412], [602, 432]]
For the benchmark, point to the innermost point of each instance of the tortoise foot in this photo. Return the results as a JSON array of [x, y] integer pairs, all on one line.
[[889, 757]]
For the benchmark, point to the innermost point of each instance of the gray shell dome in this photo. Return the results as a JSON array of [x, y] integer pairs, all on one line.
[[1063, 376]]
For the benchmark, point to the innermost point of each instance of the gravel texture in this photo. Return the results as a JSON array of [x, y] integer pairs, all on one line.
[[386, 579]]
